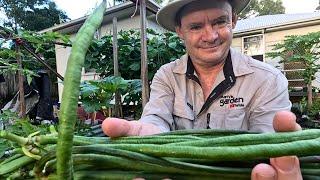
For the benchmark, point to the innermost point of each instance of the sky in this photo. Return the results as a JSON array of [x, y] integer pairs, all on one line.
[[78, 8]]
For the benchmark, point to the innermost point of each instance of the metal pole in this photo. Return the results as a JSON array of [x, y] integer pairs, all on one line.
[[42, 62]]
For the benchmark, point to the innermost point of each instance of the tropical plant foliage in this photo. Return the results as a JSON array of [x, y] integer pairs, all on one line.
[[98, 94], [162, 48], [304, 49], [41, 44]]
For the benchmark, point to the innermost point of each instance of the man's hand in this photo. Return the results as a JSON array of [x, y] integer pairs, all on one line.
[[281, 168], [115, 127]]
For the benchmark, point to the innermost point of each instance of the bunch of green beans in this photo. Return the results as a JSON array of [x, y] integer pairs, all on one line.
[[182, 154]]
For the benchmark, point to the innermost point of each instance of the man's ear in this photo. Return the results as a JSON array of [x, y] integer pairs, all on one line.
[[179, 32], [234, 20]]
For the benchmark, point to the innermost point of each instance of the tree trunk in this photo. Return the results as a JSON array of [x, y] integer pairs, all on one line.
[[309, 91], [22, 112], [22, 104]]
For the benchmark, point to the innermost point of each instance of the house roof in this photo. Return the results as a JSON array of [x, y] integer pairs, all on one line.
[[271, 21], [123, 10]]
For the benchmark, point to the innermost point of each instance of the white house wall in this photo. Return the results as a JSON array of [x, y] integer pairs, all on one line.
[[156, 27], [62, 54], [125, 24], [237, 44]]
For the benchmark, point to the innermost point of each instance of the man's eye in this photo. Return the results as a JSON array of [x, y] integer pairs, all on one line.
[[222, 22], [195, 27]]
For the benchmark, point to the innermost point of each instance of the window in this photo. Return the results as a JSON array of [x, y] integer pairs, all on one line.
[[253, 46]]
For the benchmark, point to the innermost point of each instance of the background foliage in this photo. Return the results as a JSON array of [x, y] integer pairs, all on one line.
[[162, 48], [262, 7], [41, 44], [33, 15], [304, 49], [98, 94]]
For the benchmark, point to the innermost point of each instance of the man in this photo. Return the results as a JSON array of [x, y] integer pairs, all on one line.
[[213, 86]]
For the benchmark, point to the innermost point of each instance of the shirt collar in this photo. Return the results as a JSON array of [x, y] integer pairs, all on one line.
[[240, 64]]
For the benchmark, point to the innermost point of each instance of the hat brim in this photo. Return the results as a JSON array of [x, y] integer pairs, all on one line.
[[166, 15]]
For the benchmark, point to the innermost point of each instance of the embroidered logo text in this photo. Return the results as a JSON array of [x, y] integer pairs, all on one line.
[[231, 101]]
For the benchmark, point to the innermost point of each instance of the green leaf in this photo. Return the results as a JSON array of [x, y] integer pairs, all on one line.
[[29, 79], [135, 66], [173, 45], [3, 147]]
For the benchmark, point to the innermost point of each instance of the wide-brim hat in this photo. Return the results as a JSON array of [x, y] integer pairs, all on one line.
[[166, 15]]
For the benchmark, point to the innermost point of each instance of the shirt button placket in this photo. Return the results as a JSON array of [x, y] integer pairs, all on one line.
[[208, 120]]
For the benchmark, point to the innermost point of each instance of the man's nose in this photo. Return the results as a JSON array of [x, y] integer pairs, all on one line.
[[210, 33]]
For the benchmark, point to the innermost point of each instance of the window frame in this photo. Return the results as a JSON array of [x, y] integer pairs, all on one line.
[[263, 45]]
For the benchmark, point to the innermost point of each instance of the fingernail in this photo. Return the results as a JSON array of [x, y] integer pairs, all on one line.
[[260, 176], [286, 163]]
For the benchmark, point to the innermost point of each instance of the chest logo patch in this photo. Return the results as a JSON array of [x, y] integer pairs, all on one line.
[[231, 102]]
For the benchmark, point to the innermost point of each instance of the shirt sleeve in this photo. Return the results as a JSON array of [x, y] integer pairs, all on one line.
[[270, 98], [158, 110]]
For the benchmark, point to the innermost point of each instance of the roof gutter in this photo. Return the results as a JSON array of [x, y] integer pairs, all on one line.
[[248, 33], [151, 6], [280, 27], [295, 25]]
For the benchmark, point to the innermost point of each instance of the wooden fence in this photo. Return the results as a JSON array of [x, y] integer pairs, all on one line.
[[10, 87]]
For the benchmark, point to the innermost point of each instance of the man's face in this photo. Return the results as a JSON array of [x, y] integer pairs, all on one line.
[[207, 32]]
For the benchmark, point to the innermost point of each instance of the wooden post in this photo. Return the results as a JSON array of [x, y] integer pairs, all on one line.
[[117, 107], [115, 47], [22, 112], [309, 95], [144, 60]]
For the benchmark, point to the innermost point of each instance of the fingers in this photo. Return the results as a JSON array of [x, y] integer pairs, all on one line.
[[282, 168], [285, 121], [263, 172], [115, 127], [287, 168]]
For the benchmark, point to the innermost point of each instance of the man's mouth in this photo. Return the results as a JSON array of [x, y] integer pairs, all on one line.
[[210, 47]]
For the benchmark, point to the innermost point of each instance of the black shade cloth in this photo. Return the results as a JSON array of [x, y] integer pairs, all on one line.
[[45, 108], [2, 78]]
